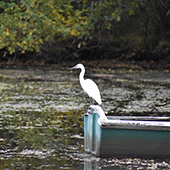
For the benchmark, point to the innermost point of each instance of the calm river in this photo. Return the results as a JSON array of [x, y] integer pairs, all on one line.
[[41, 115]]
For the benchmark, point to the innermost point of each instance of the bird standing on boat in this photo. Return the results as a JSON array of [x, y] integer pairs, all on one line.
[[88, 85]]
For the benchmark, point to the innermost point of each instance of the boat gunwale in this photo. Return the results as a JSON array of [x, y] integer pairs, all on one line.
[[136, 125], [131, 122], [144, 118]]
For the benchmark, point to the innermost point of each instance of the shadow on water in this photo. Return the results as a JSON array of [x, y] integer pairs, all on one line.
[[41, 116]]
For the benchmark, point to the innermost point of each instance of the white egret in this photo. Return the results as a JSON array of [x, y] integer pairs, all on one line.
[[88, 85]]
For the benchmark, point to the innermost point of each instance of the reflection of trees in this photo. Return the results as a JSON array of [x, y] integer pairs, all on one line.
[[49, 130]]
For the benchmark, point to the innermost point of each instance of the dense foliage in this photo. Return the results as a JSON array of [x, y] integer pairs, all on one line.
[[27, 25]]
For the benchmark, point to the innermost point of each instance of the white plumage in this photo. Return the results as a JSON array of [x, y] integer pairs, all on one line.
[[88, 85]]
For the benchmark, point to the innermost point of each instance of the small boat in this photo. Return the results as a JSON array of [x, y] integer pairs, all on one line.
[[134, 136]]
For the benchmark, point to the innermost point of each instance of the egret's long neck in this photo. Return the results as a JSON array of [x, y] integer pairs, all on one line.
[[81, 75]]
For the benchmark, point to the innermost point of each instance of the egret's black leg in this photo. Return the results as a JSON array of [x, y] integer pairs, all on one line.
[[91, 101]]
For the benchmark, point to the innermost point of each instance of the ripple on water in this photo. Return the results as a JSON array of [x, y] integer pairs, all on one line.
[[41, 117]]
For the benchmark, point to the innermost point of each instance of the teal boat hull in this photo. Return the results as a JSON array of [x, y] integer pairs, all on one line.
[[114, 136]]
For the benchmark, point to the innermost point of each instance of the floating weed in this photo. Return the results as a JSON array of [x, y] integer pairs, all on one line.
[[41, 116], [37, 130]]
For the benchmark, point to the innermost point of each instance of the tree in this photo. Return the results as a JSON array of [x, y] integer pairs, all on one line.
[[26, 24]]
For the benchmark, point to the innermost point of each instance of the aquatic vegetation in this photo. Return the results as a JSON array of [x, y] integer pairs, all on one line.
[[41, 116]]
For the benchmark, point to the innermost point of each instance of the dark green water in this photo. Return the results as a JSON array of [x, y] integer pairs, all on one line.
[[41, 115]]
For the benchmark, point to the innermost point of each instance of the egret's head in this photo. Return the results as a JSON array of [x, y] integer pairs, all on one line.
[[77, 66]]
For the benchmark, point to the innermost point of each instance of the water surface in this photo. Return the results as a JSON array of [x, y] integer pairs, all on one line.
[[41, 115]]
